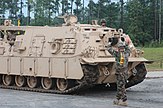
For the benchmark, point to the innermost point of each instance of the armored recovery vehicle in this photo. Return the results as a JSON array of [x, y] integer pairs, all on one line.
[[63, 59]]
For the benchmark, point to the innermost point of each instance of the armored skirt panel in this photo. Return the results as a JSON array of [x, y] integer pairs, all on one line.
[[68, 68]]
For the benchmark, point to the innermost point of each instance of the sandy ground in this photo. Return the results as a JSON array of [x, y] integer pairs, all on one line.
[[148, 94]]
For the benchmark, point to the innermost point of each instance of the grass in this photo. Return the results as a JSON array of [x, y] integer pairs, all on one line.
[[155, 54]]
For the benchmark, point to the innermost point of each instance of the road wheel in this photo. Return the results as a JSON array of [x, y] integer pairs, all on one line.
[[47, 83], [7, 80], [20, 81], [33, 82], [62, 84]]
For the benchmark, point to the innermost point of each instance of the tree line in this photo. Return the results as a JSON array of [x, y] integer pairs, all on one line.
[[141, 19]]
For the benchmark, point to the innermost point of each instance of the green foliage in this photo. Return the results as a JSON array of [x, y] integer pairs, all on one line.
[[154, 44], [153, 53], [138, 13], [156, 55], [78, 10], [3, 6]]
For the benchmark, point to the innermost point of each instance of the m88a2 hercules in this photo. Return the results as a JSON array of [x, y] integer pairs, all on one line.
[[63, 59]]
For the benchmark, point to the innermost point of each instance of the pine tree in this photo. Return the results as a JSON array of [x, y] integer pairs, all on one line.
[[72, 1], [77, 11]]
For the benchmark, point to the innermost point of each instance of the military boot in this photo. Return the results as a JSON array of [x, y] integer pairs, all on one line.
[[116, 102], [122, 103]]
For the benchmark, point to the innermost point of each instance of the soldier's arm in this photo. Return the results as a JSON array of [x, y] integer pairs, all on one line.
[[128, 51], [111, 50]]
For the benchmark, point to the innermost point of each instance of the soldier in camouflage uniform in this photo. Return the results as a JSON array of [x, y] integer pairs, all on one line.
[[121, 57], [103, 23]]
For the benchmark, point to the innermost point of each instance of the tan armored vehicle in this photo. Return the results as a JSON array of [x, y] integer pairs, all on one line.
[[63, 59]]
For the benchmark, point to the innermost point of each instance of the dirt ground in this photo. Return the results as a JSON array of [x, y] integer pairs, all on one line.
[[148, 94]]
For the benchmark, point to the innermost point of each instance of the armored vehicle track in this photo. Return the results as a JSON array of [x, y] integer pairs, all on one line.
[[90, 77], [132, 80], [59, 86], [139, 77]]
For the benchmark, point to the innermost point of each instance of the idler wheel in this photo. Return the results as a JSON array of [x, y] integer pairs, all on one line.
[[20, 81], [7, 80], [47, 83], [62, 84], [32, 82]]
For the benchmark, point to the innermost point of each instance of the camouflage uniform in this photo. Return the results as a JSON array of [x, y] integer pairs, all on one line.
[[121, 70]]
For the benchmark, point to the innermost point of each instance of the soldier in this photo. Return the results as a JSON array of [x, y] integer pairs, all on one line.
[[8, 23], [103, 23], [121, 57]]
